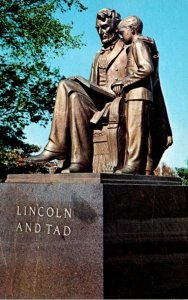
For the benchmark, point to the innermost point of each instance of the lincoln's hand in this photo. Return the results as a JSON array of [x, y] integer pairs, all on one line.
[[117, 87]]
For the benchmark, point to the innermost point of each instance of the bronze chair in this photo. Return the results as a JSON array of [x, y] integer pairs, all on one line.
[[109, 139]]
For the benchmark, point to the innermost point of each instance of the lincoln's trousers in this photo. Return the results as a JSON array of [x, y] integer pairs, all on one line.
[[71, 132]]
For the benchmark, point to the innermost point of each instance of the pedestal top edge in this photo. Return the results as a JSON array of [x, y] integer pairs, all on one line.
[[91, 178]]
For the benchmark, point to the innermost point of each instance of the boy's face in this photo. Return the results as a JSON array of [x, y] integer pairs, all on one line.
[[126, 33], [106, 30]]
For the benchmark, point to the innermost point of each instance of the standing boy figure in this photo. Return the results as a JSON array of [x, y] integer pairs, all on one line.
[[138, 87]]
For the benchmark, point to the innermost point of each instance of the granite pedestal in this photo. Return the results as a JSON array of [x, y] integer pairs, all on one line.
[[93, 236], [51, 241]]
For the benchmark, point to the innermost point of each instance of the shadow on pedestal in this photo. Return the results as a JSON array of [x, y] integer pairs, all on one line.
[[145, 240]]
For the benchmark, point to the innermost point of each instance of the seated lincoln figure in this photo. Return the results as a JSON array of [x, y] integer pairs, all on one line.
[[76, 103]]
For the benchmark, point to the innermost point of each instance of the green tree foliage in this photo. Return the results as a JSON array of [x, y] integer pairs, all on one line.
[[30, 33], [183, 173]]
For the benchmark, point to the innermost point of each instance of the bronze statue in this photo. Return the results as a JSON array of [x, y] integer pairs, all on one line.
[[124, 68], [140, 87], [78, 100]]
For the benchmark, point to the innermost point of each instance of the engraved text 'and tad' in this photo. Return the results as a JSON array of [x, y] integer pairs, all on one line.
[[40, 212]]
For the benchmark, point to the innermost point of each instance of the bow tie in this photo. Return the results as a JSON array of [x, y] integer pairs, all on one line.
[[108, 49]]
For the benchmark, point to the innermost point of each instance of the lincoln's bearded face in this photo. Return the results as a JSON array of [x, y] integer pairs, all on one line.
[[106, 25], [106, 30]]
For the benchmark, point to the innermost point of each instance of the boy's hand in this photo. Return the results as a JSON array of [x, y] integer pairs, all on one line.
[[169, 141]]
